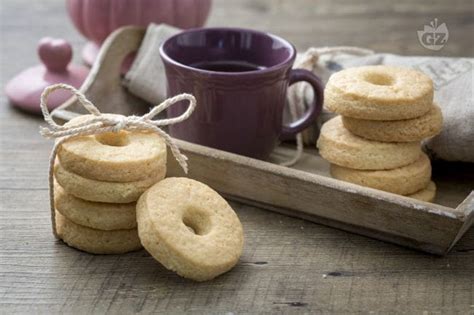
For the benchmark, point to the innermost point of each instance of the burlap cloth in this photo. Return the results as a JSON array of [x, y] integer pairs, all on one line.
[[453, 82]]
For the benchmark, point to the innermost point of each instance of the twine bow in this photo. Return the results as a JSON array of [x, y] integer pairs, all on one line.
[[98, 123]]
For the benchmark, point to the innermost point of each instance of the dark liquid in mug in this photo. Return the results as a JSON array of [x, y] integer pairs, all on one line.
[[227, 66]]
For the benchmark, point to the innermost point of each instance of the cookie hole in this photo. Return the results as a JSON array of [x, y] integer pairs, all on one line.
[[113, 139], [377, 78], [197, 222]]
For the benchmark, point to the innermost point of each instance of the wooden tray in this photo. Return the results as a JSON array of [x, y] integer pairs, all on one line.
[[305, 191]]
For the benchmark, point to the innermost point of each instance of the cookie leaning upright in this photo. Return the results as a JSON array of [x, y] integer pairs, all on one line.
[[379, 93], [189, 228]]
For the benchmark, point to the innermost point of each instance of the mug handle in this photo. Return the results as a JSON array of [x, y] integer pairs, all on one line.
[[297, 75]]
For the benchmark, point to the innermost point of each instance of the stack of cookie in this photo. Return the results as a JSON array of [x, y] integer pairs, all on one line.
[[376, 142], [98, 180]]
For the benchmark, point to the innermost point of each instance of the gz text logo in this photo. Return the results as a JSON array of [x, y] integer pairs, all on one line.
[[434, 36]]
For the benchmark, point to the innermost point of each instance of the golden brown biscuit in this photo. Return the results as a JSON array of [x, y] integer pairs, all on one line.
[[96, 241], [403, 180], [379, 93], [189, 228], [337, 145], [408, 130], [427, 194], [94, 190], [116, 157], [96, 215]]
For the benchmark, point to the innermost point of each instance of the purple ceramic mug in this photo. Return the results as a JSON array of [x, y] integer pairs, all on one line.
[[239, 78]]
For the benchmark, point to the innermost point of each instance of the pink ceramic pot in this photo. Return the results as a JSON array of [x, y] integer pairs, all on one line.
[[96, 19]]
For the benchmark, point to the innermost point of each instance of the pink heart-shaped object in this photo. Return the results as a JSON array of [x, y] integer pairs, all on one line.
[[55, 53]]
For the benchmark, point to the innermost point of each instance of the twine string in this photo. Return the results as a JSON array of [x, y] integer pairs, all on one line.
[[98, 123]]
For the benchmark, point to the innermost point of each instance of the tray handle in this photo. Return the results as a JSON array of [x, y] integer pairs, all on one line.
[[103, 86]]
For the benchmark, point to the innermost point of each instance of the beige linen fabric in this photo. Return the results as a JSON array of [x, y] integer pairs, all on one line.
[[146, 77], [453, 82]]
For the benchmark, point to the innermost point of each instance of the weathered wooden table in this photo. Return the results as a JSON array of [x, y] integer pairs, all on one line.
[[289, 265]]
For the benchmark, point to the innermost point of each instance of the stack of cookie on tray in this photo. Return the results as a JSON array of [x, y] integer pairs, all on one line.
[[98, 179], [385, 113]]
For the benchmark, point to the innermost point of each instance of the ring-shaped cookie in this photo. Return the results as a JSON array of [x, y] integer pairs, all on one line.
[[337, 145], [189, 228], [96, 215], [407, 130], [403, 180], [116, 157], [379, 93], [96, 241], [112, 192], [427, 194]]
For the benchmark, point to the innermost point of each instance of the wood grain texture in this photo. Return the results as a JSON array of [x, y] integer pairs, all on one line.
[[288, 265], [319, 198], [308, 192]]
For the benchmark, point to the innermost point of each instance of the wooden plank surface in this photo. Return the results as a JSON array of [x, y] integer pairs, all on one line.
[[321, 199], [288, 265]]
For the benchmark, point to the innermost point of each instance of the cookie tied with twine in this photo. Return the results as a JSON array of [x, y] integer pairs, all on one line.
[[99, 123]]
